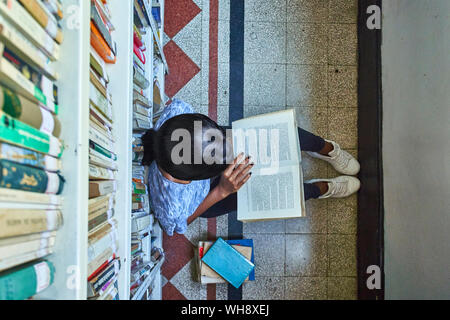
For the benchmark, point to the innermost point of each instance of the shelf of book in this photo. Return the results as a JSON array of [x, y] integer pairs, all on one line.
[[69, 67]]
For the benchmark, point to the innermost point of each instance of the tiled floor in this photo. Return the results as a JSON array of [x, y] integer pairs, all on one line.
[[298, 54]]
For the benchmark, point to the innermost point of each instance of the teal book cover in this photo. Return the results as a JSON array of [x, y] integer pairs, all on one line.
[[228, 263]]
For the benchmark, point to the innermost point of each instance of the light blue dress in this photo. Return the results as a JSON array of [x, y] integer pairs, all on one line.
[[173, 202]]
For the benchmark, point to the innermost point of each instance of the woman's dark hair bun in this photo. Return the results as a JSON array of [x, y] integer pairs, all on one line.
[[149, 141]]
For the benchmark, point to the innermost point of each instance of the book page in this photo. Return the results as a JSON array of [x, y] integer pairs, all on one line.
[[277, 196], [275, 190]]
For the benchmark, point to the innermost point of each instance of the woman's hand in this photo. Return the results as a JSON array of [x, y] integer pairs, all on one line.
[[235, 176]]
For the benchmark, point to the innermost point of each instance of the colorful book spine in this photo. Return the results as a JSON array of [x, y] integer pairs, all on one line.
[[98, 22], [14, 79], [16, 222], [54, 7], [100, 139], [23, 282], [18, 133], [21, 177], [29, 157], [106, 153], [46, 20], [28, 51], [22, 20], [100, 45], [29, 112], [47, 87]]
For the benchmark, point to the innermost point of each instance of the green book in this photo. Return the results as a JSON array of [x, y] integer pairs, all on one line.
[[18, 133], [17, 176], [25, 281]]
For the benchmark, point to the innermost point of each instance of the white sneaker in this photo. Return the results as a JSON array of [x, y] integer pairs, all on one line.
[[339, 187], [341, 160]]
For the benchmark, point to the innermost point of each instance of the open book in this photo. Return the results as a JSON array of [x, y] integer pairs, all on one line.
[[275, 190]]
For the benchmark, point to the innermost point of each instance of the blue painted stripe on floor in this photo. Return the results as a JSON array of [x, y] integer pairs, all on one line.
[[236, 110]]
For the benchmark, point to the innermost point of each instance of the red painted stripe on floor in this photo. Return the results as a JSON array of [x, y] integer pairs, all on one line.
[[212, 106]]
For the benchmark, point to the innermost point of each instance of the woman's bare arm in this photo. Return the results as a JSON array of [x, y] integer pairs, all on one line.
[[232, 179]]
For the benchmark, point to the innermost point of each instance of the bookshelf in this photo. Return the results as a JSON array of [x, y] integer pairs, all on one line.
[[70, 252]]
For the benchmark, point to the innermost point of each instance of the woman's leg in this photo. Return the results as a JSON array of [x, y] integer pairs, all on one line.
[[309, 141], [222, 207]]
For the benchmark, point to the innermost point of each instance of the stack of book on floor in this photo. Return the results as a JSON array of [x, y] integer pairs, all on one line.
[[103, 263], [30, 149], [228, 261]]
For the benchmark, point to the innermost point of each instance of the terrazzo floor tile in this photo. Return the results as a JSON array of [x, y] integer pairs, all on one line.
[[306, 86], [343, 11], [223, 85], [222, 114], [265, 42], [343, 127], [264, 288], [224, 9], [307, 43], [193, 232], [222, 291], [191, 92], [342, 86], [306, 255], [342, 215], [186, 283], [342, 288], [277, 226], [341, 255], [315, 220], [250, 111], [313, 168], [189, 39], [307, 11], [314, 120], [342, 46], [269, 254], [264, 84], [305, 288], [265, 10]]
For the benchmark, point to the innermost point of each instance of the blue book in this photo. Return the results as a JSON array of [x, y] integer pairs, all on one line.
[[245, 243], [228, 263]]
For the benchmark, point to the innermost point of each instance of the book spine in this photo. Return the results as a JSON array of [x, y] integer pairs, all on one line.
[[26, 247], [101, 140], [100, 262], [21, 177], [19, 196], [140, 79], [46, 21], [24, 258], [30, 27], [24, 282], [99, 83], [100, 46], [16, 222], [99, 65], [102, 151], [47, 87], [100, 102], [97, 221], [101, 161], [15, 79], [29, 157], [100, 173], [101, 188], [95, 16], [54, 8], [28, 112], [16, 40], [20, 134]]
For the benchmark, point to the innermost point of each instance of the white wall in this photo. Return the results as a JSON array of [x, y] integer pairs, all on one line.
[[416, 148]]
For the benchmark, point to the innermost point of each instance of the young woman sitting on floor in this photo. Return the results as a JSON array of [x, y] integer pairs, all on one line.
[[179, 193]]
